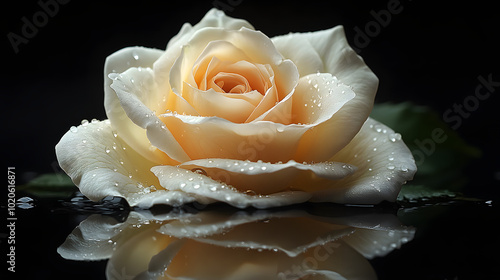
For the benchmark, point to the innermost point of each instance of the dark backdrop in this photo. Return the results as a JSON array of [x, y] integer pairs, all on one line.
[[427, 53], [430, 54]]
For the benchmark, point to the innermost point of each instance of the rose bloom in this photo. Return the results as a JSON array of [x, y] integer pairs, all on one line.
[[227, 114]]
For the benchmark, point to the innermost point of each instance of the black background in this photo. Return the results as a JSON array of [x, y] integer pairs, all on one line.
[[430, 53]]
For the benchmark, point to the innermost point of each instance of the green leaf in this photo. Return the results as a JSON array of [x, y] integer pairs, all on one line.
[[439, 152], [53, 185]]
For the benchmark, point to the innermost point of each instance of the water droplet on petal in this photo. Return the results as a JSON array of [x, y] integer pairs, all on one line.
[[73, 129], [85, 122], [199, 171]]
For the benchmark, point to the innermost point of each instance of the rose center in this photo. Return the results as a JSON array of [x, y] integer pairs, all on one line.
[[230, 83]]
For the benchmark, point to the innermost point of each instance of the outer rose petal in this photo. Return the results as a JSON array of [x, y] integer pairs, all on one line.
[[139, 97], [340, 60], [134, 135], [268, 178], [207, 190], [384, 164], [101, 164], [317, 101], [214, 18], [212, 137]]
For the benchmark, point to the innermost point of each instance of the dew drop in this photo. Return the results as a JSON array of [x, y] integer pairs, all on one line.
[[395, 137], [73, 129], [390, 167], [263, 168], [85, 122], [107, 150], [135, 55], [199, 171]]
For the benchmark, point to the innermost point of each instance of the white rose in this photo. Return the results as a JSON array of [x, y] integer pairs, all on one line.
[[227, 114]]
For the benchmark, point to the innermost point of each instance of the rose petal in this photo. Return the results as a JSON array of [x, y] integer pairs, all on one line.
[[303, 54], [101, 164], [139, 97], [134, 135], [384, 164], [317, 100], [268, 178], [207, 190], [341, 61], [245, 41], [224, 105], [213, 18], [213, 137]]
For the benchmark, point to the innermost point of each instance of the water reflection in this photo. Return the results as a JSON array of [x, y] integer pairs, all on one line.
[[317, 242]]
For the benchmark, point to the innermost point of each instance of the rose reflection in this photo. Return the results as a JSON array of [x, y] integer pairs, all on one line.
[[229, 244]]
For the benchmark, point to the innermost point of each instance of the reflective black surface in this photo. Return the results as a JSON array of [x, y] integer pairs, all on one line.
[[452, 239]]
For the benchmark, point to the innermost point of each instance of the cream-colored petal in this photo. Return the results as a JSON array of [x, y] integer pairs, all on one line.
[[384, 164], [134, 135], [213, 18], [340, 60], [303, 54], [207, 190], [213, 137], [316, 102], [139, 97], [256, 46], [101, 164], [232, 107], [268, 178]]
